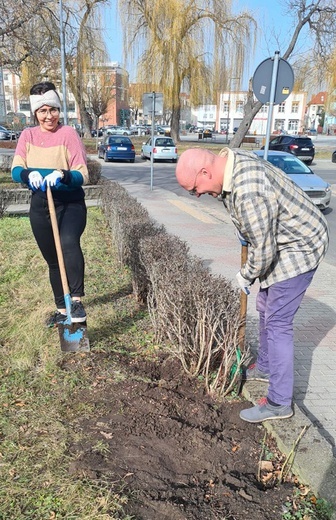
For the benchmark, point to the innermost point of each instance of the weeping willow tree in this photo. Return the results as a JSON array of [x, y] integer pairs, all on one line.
[[319, 17], [191, 44]]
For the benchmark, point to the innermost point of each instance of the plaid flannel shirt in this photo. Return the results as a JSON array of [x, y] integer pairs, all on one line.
[[287, 234]]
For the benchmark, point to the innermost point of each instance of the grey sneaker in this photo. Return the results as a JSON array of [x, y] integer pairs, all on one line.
[[253, 373], [263, 411]]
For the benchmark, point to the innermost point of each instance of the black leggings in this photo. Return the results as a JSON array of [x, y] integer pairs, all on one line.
[[71, 218]]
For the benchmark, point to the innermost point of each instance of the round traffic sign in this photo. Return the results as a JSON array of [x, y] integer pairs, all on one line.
[[262, 79]]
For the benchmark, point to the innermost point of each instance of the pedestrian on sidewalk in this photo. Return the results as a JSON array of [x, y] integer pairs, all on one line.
[[287, 238], [52, 155]]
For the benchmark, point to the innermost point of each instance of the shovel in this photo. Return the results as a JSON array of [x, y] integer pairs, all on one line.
[[242, 327], [73, 336]]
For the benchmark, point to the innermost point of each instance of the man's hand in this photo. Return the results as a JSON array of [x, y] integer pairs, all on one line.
[[241, 238], [243, 283], [35, 180]]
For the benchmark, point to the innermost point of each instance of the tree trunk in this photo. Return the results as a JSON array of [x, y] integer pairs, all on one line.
[[175, 123]]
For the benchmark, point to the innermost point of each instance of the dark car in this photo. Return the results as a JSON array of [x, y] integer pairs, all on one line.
[[117, 147], [333, 157], [5, 135], [94, 133], [298, 145]]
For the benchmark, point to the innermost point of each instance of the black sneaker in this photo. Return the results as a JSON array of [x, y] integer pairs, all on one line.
[[55, 318], [78, 314]]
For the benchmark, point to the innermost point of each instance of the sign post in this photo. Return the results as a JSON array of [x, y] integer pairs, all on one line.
[[152, 105], [272, 83]]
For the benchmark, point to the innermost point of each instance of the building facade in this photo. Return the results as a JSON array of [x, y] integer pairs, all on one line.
[[288, 116]]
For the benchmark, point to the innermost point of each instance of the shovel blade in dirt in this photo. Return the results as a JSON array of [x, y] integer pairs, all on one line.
[[73, 337]]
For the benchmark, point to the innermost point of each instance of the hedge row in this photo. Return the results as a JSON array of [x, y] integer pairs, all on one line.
[[195, 314]]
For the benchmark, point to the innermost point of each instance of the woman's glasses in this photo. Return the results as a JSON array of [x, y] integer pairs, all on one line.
[[44, 112]]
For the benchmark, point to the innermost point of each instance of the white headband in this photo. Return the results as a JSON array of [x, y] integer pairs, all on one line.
[[49, 98]]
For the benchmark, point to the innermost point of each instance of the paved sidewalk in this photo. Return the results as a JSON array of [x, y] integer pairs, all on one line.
[[210, 235]]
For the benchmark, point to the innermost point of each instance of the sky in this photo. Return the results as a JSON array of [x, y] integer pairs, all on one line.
[[275, 29]]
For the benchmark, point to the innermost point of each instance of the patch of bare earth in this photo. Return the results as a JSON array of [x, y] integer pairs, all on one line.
[[175, 452]]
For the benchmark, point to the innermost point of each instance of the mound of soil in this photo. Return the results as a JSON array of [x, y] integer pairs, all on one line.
[[176, 453]]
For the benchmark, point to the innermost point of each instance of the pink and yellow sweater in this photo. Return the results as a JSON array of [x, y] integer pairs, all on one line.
[[48, 151]]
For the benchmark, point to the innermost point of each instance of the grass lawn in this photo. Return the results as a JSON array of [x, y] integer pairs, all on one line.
[[40, 398]]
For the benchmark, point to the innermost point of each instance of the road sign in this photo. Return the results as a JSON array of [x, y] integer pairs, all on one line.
[[154, 99], [262, 80]]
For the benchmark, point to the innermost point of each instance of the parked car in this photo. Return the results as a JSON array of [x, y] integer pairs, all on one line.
[[298, 145], [313, 185], [116, 147], [94, 133], [163, 148], [163, 130], [140, 130], [333, 157], [5, 135]]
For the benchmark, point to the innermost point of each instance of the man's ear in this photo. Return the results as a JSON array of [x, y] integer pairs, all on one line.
[[206, 173]]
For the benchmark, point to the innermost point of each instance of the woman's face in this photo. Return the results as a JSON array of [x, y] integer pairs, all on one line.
[[48, 118]]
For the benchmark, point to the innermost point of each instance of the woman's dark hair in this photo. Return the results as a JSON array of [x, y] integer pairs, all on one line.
[[42, 88]]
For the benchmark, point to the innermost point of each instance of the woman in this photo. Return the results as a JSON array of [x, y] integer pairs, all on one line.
[[51, 154]]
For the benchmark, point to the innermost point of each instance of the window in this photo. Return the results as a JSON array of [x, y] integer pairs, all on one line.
[[24, 105], [239, 106], [71, 106], [226, 106], [264, 109], [295, 107], [279, 124], [281, 107], [293, 125]]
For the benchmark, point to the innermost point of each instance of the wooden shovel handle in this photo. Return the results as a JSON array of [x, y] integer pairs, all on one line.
[[243, 305], [57, 239]]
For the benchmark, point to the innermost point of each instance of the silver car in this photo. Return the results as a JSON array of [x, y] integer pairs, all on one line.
[[163, 148], [318, 190]]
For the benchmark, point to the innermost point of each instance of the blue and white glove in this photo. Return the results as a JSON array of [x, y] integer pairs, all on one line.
[[35, 180], [52, 179], [242, 240], [243, 283]]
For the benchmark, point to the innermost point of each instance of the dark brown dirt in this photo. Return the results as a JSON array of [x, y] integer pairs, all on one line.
[[175, 453]]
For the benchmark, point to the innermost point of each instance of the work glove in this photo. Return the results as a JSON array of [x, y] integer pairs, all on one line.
[[52, 179], [241, 239], [243, 283], [35, 180]]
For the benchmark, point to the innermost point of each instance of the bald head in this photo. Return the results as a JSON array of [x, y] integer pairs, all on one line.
[[190, 163]]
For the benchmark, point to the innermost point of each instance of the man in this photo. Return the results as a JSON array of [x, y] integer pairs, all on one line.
[[287, 237]]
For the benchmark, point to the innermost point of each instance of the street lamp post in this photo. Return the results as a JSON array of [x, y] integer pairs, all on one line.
[[228, 113], [65, 113]]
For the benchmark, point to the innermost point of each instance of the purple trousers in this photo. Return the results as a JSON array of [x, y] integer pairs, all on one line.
[[277, 306]]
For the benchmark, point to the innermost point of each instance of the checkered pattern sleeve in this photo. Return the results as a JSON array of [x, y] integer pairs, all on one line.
[[287, 233]]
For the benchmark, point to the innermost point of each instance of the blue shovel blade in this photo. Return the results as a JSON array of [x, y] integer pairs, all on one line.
[[73, 336]]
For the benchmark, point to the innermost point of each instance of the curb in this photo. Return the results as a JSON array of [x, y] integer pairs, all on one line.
[[314, 463]]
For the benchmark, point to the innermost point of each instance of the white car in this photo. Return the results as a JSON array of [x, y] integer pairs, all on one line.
[[164, 149]]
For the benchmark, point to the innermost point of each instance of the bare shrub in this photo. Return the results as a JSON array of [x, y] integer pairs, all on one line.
[[130, 222], [94, 169], [4, 202], [194, 311]]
